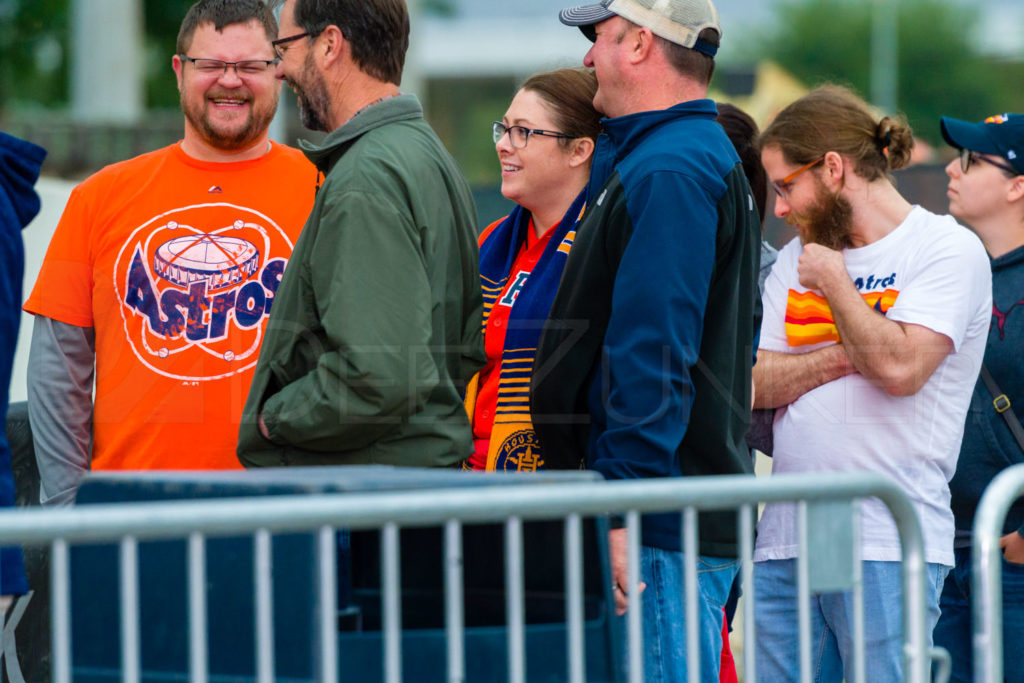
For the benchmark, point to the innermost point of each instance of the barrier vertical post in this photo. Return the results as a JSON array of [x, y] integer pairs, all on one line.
[[454, 617], [129, 561]]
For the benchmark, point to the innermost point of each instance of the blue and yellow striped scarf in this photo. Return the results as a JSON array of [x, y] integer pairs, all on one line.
[[514, 444]]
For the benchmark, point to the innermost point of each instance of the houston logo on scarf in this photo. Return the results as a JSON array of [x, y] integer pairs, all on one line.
[[520, 452]]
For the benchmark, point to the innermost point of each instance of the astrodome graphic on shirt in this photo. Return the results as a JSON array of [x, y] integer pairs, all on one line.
[[195, 286]]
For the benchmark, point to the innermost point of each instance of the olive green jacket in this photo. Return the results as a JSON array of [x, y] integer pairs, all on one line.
[[376, 326]]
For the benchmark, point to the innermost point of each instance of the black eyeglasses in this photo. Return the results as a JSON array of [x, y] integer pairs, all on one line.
[[968, 157], [520, 135], [248, 67], [276, 44]]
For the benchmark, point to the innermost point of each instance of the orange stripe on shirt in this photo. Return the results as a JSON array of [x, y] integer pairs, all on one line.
[[809, 317]]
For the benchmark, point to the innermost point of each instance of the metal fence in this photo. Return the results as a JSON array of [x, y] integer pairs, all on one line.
[[825, 504], [987, 572]]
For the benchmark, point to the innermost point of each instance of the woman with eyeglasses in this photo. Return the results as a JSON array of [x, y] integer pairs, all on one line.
[[545, 143]]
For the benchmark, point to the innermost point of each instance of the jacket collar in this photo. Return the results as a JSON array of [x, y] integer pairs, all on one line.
[[1008, 259], [624, 133], [400, 108]]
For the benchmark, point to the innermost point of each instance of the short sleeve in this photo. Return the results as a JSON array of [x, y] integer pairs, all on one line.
[[63, 289]]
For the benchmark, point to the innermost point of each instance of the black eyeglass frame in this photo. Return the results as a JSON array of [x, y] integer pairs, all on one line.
[[267, 64], [275, 44], [969, 156], [499, 130]]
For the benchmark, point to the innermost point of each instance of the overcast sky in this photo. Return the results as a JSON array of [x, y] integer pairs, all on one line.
[[1002, 21]]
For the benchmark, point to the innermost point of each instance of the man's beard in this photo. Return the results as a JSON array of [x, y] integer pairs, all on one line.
[[828, 221], [227, 137], [314, 103]]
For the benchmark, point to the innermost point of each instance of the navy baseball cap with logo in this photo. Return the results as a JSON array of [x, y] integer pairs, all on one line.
[[677, 21], [1001, 135]]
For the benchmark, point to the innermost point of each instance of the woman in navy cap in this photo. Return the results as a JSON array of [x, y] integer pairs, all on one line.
[[986, 192]]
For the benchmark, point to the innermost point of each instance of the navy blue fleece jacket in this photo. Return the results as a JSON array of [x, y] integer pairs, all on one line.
[[643, 369], [988, 446], [19, 168]]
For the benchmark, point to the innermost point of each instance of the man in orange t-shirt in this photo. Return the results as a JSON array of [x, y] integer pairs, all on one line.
[[163, 270]]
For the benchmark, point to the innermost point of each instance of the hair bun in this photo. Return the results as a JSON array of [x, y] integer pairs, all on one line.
[[895, 141]]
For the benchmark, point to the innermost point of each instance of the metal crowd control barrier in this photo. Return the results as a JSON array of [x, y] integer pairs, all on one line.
[[825, 503], [987, 572]]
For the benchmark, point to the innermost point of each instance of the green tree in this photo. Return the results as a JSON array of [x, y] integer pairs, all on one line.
[[162, 21], [33, 52], [941, 71]]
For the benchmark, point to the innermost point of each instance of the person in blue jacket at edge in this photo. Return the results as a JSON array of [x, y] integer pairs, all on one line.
[[986, 193], [19, 169]]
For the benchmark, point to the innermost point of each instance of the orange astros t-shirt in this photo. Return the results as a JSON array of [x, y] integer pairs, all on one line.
[[175, 263]]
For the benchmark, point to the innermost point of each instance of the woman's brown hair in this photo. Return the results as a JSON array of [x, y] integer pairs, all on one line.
[[570, 94]]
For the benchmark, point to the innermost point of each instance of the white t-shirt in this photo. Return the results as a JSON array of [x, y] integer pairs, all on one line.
[[932, 272]]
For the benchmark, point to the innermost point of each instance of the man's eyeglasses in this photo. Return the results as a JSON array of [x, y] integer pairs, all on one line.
[[968, 157], [248, 67], [520, 135], [781, 187], [276, 44]]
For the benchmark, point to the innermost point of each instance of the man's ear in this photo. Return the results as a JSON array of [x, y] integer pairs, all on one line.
[[332, 46], [833, 168], [177, 65], [641, 42]]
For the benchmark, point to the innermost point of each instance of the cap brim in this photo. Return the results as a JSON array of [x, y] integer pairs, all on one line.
[[585, 15], [967, 135]]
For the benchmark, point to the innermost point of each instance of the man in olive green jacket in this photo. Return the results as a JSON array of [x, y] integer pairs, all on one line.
[[376, 326]]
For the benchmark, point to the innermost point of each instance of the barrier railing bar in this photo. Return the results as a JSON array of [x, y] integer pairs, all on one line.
[[915, 655], [129, 564], [746, 536], [690, 592], [197, 652], [803, 593], [392, 603], [282, 514], [514, 595], [987, 571], [175, 519], [859, 647], [60, 611], [942, 665], [574, 598], [634, 625], [453, 589], [327, 575], [263, 600]]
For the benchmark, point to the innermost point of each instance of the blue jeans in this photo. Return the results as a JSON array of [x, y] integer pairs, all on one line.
[[664, 613], [778, 636], [953, 631]]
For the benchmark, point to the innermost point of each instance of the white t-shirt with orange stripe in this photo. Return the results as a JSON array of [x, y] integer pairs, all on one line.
[[930, 271]]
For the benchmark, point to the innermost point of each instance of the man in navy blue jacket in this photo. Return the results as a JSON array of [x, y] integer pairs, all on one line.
[[986, 192], [19, 204], [644, 366]]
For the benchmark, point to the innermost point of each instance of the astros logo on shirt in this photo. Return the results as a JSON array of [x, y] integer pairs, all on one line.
[[195, 286]]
